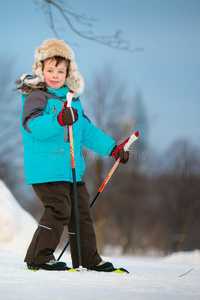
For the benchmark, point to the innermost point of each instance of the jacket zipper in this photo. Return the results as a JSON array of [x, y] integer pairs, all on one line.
[[54, 109]]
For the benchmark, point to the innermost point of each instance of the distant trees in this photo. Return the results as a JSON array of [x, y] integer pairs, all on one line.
[[11, 149], [104, 102], [10, 138], [178, 192], [141, 209], [159, 211]]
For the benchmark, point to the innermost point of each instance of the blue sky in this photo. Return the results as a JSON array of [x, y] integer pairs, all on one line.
[[167, 71]]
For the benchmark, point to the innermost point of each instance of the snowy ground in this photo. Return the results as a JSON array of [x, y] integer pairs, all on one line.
[[149, 278]]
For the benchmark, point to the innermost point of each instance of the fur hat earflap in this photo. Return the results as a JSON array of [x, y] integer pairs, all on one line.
[[54, 47], [27, 83], [28, 78]]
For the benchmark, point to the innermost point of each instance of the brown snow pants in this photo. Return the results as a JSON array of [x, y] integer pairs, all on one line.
[[58, 201]]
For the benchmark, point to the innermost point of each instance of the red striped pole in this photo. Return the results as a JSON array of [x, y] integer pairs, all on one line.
[[126, 144], [69, 99]]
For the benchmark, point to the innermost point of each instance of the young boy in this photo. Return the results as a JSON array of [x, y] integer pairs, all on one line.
[[48, 160]]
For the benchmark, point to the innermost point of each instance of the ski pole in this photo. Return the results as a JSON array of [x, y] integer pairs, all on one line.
[[126, 144], [69, 99]]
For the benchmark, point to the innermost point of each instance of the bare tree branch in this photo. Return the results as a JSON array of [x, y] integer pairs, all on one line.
[[115, 41]]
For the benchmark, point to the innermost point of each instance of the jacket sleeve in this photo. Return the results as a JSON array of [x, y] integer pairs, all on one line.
[[95, 139], [35, 120]]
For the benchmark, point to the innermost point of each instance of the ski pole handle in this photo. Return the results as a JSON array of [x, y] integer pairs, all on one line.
[[126, 144], [131, 139], [69, 98]]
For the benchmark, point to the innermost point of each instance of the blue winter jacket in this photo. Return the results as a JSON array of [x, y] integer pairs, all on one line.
[[47, 154]]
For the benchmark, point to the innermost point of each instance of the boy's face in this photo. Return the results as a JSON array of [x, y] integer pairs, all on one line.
[[54, 76]]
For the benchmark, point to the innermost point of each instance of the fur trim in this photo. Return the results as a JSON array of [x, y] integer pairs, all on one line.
[[28, 78], [74, 80], [54, 47], [28, 83]]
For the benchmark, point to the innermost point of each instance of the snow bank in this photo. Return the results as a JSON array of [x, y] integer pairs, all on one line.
[[189, 257], [16, 225]]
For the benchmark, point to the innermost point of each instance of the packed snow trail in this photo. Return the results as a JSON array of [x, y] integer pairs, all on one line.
[[149, 278]]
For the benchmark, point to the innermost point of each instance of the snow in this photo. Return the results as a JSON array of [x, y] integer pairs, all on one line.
[[149, 278], [16, 225]]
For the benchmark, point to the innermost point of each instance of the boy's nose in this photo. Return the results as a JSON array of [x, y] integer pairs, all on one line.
[[55, 75]]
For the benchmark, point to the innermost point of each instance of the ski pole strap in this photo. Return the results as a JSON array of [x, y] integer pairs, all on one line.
[[126, 144]]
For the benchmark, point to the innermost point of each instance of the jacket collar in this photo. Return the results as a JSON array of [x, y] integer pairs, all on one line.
[[60, 93]]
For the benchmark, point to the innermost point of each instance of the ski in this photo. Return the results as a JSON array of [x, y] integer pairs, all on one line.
[[58, 266], [67, 270], [116, 270], [119, 270]]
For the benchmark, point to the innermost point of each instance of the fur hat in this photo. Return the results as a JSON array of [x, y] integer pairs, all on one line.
[[54, 47]]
